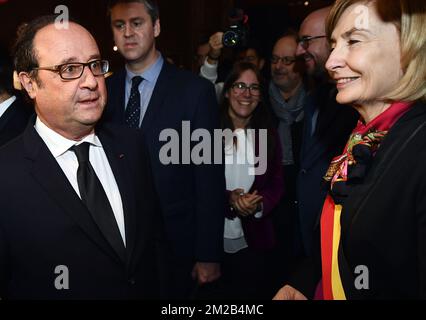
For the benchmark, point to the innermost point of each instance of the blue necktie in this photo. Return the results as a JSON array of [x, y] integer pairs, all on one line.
[[133, 109]]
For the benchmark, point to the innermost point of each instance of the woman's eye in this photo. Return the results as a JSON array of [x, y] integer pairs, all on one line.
[[352, 42]]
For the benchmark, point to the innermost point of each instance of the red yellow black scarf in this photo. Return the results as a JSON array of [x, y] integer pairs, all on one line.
[[350, 167]]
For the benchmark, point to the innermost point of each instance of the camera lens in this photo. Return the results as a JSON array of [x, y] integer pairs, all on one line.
[[230, 39]]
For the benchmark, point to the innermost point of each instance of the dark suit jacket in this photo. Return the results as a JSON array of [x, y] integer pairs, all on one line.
[[334, 125], [191, 195], [14, 121], [304, 195], [44, 224], [383, 221]]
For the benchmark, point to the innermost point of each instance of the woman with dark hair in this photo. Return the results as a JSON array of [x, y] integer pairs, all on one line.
[[252, 192]]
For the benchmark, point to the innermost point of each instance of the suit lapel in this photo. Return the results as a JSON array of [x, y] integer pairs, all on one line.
[[116, 96], [313, 148], [117, 158], [49, 175], [157, 98], [5, 118]]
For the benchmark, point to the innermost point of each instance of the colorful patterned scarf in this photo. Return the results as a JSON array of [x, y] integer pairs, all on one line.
[[345, 171]]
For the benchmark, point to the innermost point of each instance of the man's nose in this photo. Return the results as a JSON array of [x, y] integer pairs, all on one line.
[[300, 50], [128, 30], [88, 80]]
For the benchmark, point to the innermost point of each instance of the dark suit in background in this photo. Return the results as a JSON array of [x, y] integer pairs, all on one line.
[[333, 126], [191, 196], [314, 148], [14, 121]]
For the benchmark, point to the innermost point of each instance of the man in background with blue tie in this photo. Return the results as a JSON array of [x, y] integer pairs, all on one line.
[[152, 95]]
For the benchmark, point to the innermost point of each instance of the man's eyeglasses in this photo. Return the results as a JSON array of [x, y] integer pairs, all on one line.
[[287, 60], [74, 70], [304, 41], [240, 88]]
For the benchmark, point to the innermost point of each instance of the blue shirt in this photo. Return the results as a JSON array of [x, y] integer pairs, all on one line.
[[146, 88]]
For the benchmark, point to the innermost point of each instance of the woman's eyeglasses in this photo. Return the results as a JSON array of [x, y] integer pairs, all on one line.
[[240, 88]]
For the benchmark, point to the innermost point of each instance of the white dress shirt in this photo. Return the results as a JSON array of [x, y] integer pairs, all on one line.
[[60, 146], [238, 160], [6, 104]]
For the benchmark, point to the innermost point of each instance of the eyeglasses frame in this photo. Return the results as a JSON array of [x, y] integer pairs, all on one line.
[[58, 67]]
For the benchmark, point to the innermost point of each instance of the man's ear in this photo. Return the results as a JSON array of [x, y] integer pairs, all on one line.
[[157, 28], [28, 84]]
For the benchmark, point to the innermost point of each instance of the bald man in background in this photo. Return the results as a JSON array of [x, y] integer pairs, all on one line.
[[326, 128]]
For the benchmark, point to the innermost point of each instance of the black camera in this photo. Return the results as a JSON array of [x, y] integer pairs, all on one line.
[[237, 33]]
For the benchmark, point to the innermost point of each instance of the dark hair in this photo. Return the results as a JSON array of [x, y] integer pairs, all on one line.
[[261, 117], [151, 6], [25, 57], [290, 32], [203, 39], [254, 45], [6, 72]]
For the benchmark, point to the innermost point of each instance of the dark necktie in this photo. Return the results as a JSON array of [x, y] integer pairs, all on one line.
[[133, 109], [94, 197]]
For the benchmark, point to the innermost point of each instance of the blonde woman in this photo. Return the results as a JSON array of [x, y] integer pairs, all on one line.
[[373, 223]]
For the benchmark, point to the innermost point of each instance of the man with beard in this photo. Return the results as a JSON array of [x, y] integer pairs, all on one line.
[[326, 128], [313, 129], [313, 46]]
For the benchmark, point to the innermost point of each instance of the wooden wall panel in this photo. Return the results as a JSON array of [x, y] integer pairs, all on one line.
[[183, 22]]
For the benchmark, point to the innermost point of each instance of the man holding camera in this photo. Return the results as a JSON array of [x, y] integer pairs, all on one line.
[[151, 95], [248, 53]]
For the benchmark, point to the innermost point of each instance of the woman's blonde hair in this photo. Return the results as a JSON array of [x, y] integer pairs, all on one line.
[[409, 16]]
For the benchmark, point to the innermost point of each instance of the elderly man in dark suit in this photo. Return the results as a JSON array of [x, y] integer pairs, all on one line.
[[78, 215], [14, 112], [152, 95]]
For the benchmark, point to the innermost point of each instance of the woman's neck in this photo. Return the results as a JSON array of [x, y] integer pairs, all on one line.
[[370, 111], [240, 123]]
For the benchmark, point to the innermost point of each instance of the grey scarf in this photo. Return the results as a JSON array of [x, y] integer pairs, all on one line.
[[287, 113]]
